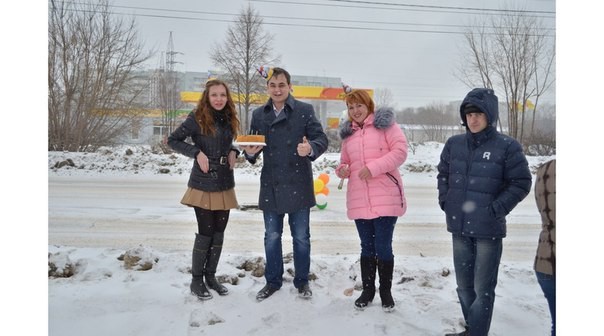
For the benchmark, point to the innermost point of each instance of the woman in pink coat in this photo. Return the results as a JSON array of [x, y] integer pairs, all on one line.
[[373, 148]]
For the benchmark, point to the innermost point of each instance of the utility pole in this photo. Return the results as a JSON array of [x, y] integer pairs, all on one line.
[[171, 83], [156, 82]]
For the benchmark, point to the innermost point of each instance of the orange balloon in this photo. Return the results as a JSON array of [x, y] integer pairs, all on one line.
[[324, 177], [324, 191]]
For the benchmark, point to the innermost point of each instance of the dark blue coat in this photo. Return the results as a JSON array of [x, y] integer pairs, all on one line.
[[286, 181], [482, 176]]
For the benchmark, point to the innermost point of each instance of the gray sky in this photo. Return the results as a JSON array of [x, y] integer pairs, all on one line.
[[413, 51]]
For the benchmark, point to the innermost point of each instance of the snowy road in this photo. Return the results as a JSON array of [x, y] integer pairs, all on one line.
[[123, 212]]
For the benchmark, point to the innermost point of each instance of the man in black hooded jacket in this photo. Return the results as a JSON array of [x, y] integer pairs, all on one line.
[[482, 176]]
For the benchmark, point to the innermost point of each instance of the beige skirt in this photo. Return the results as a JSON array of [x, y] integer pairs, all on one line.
[[210, 200]]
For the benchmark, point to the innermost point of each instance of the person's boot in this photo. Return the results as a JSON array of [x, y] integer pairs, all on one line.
[[200, 254], [368, 267], [385, 270], [212, 263]]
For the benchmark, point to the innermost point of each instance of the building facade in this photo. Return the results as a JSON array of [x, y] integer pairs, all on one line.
[[161, 97]]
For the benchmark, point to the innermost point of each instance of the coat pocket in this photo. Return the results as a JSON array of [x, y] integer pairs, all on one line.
[[400, 188]]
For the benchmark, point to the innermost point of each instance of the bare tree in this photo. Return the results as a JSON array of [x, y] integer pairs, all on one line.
[[245, 48], [384, 97], [406, 116], [92, 57], [437, 123], [542, 140], [511, 53]]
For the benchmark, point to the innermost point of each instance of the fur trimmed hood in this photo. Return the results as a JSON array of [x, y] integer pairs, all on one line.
[[383, 117]]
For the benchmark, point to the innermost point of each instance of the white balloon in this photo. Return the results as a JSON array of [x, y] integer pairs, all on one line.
[[321, 199]]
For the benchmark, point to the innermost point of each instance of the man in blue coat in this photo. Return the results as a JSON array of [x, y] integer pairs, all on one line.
[[482, 176], [294, 138]]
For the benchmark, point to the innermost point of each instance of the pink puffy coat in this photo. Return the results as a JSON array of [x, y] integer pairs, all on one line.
[[381, 146]]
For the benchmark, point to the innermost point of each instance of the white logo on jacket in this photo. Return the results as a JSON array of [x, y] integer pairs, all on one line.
[[486, 155]]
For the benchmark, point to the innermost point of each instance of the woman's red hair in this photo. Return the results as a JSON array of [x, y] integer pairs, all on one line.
[[362, 97]]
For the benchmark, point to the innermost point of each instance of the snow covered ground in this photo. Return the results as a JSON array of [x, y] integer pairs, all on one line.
[[117, 211]]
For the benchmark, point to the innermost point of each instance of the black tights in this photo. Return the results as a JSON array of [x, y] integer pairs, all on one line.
[[211, 221]]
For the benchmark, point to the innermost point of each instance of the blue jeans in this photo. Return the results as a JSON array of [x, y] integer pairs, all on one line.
[[376, 237], [300, 231], [476, 266], [548, 285]]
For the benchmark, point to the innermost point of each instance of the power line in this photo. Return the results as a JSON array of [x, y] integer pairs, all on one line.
[[289, 24], [299, 18], [447, 7], [289, 17], [434, 9], [164, 13]]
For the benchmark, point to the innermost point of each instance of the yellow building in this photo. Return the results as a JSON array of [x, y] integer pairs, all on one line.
[[321, 95], [300, 92]]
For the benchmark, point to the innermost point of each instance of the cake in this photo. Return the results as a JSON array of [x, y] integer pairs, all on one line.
[[251, 138]]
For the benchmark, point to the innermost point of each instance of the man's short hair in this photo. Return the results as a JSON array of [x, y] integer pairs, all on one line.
[[281, 71]]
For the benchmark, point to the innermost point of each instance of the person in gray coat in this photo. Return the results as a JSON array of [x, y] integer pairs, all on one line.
[[294, 138]]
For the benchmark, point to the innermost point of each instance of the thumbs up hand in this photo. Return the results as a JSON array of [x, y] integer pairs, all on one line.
[[304, 148]]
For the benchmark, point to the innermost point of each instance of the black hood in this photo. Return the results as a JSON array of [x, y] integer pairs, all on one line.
[[486, 101]]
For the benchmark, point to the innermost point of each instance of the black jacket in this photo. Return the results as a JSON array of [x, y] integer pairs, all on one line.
[[482, 176], [219, 177], [286, 181]]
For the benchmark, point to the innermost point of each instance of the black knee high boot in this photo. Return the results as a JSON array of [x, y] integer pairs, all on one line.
[[385, 270], [368, 276], [212, 263], [200, 254]]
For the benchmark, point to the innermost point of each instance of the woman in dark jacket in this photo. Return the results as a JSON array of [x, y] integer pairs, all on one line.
[[211, 126]]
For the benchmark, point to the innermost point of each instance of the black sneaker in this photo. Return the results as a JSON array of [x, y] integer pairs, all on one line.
[[304, 292], [265, 292]]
